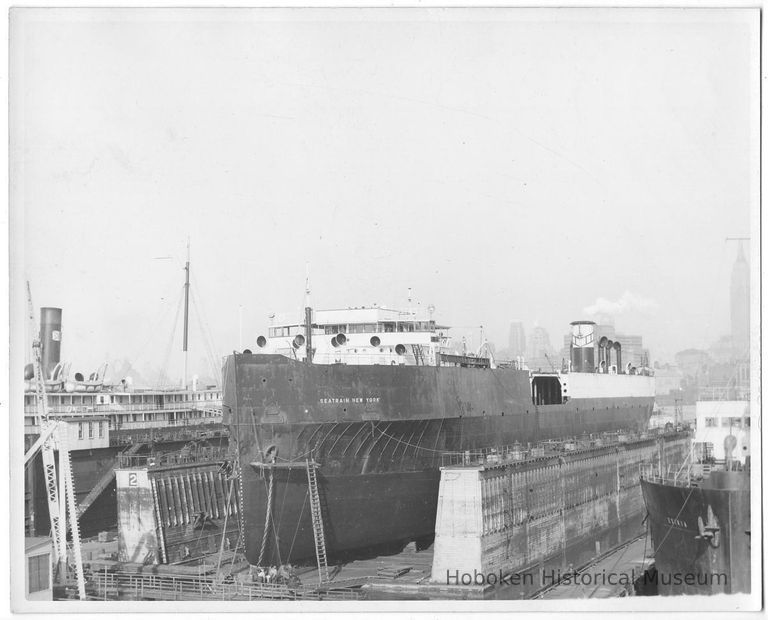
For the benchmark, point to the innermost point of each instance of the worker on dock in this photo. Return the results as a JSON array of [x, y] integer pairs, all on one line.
[[272, 575]]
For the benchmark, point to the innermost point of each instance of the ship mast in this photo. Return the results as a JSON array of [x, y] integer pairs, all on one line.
[[186, 316], [308, 318]]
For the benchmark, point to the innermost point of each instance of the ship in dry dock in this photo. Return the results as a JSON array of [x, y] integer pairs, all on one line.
[[366, 402], [104, 420], [699, 510]]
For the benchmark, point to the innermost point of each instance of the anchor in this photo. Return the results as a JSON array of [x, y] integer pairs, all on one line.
[[709, 531]]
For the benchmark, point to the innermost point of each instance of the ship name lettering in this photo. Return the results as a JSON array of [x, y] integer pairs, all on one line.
[[357, 400]]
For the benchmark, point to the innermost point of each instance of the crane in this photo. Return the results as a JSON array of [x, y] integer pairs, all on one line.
[[61, 492]]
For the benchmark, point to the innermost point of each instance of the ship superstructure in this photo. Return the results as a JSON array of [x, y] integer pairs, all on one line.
[[134, 410], [359, 336]]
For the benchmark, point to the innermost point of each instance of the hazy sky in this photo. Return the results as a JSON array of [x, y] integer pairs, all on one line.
[[503, 164]]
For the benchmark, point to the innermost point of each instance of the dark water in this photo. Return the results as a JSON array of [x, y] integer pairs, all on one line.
[[575, 556], [531, 580]]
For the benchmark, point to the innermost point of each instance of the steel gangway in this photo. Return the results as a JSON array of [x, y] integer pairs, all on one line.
[[97, 490], [103, 482]]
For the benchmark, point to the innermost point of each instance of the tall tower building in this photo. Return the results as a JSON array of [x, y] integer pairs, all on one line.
[[516, 339], [740, 304], [540, 352]]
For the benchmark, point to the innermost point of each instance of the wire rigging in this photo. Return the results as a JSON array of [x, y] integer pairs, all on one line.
[[164, 378], [206, 340], [155, 324], [205, 330]]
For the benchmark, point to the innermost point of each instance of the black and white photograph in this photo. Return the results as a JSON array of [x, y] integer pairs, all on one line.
[[384, 309]]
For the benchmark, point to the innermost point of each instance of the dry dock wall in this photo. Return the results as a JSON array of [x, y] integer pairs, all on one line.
[[172, 514], [513, 516]]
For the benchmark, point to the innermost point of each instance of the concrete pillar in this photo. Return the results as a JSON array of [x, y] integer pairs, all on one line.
[[136, 525], [459, 524]]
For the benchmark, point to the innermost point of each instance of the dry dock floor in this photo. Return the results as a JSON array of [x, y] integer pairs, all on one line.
[[406, 575], [607, 577]]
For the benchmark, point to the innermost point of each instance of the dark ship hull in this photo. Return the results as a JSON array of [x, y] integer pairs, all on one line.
[[87, 469], [379, 434], [701, 535]]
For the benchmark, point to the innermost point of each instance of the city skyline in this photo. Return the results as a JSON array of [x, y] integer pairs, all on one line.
[[161, 371]]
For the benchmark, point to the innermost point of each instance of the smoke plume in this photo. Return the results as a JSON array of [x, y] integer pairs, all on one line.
[[628, 302]]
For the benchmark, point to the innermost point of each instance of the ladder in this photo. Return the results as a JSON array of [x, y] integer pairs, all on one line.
[[317, 522], [159, 521]]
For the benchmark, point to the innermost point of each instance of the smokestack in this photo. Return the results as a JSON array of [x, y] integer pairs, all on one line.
[[602, 364], [583, 346], [50, 338]]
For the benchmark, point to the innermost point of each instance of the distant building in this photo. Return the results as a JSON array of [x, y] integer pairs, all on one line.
[[667, 379], [734, 347], [516, 339], [722, 351], [734, 375], [541, 355], [740, 304], [693, 362]]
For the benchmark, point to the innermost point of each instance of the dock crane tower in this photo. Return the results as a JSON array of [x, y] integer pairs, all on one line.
[[61, 492]]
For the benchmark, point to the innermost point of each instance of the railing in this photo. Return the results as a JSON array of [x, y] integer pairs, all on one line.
[[116, 408], [549, 447], [122, 438], [166, 430], [681, 475], [177, 426], [140, 425], [369, 359], [514, 364], [723, 393], [200, 455], [673, 475], [106, 585]]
